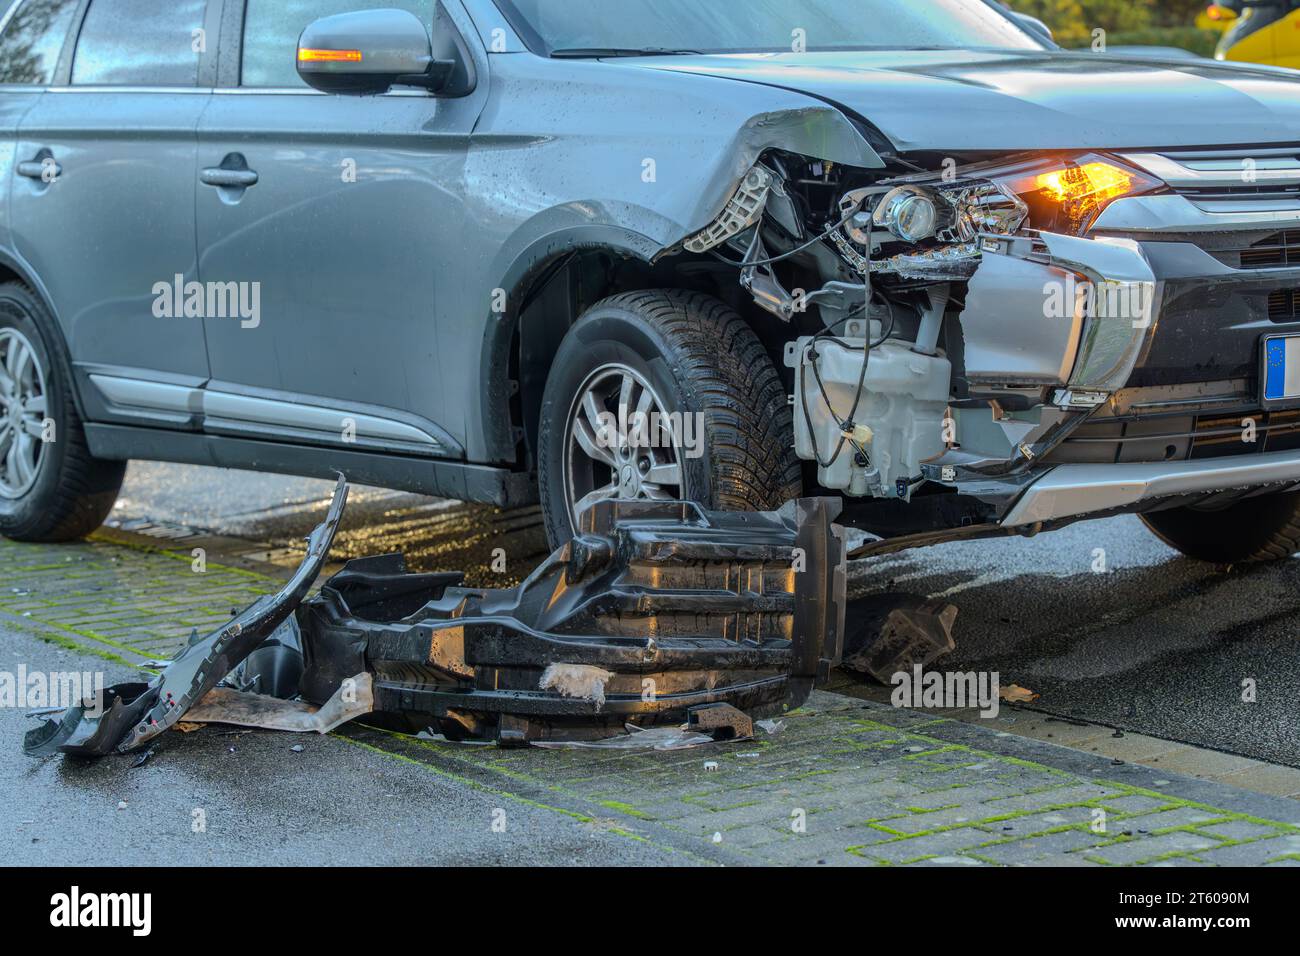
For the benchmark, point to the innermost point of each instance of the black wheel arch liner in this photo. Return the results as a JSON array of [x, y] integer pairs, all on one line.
[[520, 278]]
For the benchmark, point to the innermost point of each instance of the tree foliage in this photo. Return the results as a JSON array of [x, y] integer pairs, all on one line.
[[1073, 21]]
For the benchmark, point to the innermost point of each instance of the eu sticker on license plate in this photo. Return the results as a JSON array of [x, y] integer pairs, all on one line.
[[1281, 368]]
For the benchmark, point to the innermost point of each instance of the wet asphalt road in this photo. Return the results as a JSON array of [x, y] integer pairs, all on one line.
[[260, 803], [1102, 620]]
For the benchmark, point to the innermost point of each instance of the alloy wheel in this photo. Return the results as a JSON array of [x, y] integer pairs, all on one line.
[[620, 442], [23, 411]]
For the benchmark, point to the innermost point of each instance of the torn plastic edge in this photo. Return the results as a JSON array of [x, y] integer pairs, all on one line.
[[130, 715]]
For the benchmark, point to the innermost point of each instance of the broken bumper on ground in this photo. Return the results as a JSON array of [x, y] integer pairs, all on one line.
[[652, 611]]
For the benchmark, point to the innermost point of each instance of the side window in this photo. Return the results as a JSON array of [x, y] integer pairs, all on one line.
[[140, 43], [272, 28], [33, 39]]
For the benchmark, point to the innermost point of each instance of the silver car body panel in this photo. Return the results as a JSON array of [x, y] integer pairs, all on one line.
[[1002, 101]]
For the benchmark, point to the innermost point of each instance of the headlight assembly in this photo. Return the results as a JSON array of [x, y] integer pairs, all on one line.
[[1066, 196]]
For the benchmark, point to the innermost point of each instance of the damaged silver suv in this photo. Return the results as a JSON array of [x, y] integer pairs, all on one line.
[[910, 254]]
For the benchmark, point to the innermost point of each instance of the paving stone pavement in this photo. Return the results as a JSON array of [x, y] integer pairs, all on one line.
[[844, 782]]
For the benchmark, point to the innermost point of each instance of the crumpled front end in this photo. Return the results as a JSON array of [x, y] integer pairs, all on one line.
[[958, 333]]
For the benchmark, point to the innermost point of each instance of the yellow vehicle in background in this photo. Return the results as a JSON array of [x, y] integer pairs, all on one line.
[[1258, 31]]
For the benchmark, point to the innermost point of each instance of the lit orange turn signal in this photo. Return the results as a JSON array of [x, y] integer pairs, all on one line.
[[329, 56], [1092, 184]]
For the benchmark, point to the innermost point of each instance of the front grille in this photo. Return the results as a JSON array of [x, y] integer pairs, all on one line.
[[1284, 305], [1255, 250], [1209, 194], [1180, 438], [1278, 250], [1225, 181], [1220, 435]]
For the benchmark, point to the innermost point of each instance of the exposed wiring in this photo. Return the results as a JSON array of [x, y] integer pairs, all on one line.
[[748, 263], [846, 425]]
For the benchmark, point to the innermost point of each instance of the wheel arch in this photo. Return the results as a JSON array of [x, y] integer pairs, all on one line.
[[14, 269], [547, 289]]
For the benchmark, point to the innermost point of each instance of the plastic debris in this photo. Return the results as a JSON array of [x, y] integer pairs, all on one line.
[[635, 738], [1015, 694], [576, 680]]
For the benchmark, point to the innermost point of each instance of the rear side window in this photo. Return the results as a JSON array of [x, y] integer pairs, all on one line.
[[272, 28], [33, 39], [140, 43]]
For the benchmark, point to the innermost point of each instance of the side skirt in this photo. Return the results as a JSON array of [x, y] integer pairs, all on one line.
[[447, 479]]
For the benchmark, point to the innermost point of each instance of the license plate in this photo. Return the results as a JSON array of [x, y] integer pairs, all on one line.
[[1281, 368]]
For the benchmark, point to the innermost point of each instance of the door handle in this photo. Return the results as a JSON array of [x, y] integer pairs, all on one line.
[[45, 169], [228, 178]]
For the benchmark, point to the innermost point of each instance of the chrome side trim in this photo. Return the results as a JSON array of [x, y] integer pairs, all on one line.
[[182, 90], [1151, 215], [301, 91], [149, 396], [329, 421], [218, 90], [230, 411], [1068, 491]]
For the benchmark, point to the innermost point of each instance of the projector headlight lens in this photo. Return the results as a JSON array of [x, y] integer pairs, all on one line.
[[909, 214]]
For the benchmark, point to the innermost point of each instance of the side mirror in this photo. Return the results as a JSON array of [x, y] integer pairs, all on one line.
[[369, 52]]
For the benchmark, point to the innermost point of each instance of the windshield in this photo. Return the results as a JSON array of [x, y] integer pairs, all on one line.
[[742, 26]]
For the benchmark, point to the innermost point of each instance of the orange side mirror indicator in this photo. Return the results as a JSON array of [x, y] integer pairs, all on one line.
[[329, 56]]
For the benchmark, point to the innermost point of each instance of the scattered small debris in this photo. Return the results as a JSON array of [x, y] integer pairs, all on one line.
[[297, 748], [143, 759], [770, 726], [710, 765], [721, 721], [717, 837], [1015, 694], [432, 735], [577, 680], [121, 804], [45, 712], [888, 633], [186, 727], [635, 738], [1072, 721]]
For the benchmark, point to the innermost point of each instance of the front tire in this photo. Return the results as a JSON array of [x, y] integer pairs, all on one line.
[[1255, 530], [691, 359], [51, 489]]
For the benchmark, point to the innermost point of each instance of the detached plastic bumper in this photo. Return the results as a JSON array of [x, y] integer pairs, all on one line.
[[652, 610]]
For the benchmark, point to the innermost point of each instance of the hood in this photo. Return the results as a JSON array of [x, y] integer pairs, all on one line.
[[958, 100]]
